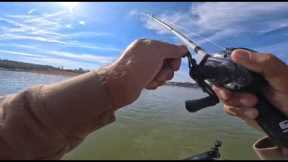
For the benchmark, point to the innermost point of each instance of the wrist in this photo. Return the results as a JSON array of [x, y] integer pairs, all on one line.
[[121, 88]]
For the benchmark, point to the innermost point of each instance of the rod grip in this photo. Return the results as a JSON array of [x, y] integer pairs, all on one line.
[[272, 121]]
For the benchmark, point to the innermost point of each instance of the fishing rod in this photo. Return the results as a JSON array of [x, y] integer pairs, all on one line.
[[219, 69]]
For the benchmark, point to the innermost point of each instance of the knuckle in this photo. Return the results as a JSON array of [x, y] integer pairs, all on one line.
[[274, 60], [269, 58], [226, 108], [229, 110], [239, 51], [151, 87], [159, 79], [271, 62], [252, 57], [224, 97], [225, 100], [140, 41], [161, 76], [161, 82]]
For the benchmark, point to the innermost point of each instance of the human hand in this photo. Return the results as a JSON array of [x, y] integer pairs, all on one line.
[[273, 70], [144, 64]]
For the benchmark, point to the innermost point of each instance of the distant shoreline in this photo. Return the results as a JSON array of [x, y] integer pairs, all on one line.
[[71, 74], [40, 69], [182, 84], [46, 72], [9, 65]]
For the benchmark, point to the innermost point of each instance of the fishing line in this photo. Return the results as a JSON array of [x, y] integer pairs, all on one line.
[[143, 14], [200, 36]]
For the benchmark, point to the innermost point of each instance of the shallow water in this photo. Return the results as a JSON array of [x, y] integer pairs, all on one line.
[[156, 126]]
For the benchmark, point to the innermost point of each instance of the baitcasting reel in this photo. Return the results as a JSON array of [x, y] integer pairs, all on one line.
[[220, 70]]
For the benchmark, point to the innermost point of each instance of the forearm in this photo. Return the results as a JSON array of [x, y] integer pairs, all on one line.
[[75, 105], [45, 122], [49, 120]]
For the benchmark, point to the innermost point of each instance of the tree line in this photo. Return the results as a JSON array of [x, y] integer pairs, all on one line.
[[17, 65]]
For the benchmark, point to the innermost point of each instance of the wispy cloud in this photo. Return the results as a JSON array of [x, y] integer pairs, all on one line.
[[220, 15], [28, 37], [35, 51], [32, 27], [99, 59], [214, 23], [47, 28], [218, 20], [64, 56], [9, 52], [31, 11], [79, 44], [44, 34], [88, 34]]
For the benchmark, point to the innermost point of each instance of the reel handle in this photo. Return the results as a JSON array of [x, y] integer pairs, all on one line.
[[198, 104]]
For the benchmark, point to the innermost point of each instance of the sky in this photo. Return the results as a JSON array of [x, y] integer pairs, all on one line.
[[89, 35]]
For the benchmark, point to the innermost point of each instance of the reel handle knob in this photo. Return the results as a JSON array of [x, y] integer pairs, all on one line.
[[198, 104]]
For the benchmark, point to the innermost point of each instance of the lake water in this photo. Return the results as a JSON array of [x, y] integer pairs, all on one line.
[[156, 126]]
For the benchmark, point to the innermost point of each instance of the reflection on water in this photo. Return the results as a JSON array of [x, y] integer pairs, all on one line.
[[156, 126], [11, 81]]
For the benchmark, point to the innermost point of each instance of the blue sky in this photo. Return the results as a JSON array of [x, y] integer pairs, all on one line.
[[92, 34]]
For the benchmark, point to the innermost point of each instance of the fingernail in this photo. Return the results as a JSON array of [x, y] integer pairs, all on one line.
[[251, 114]]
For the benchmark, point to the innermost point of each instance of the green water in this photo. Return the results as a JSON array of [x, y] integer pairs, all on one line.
[[156, 126]]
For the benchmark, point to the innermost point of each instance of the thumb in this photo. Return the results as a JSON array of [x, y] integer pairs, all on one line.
[[269, 66]]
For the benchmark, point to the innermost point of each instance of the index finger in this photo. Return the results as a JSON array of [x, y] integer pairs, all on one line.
[[168, 50], [174, 64]]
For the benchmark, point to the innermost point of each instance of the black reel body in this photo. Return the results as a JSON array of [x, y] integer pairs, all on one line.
[[219, 69]]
